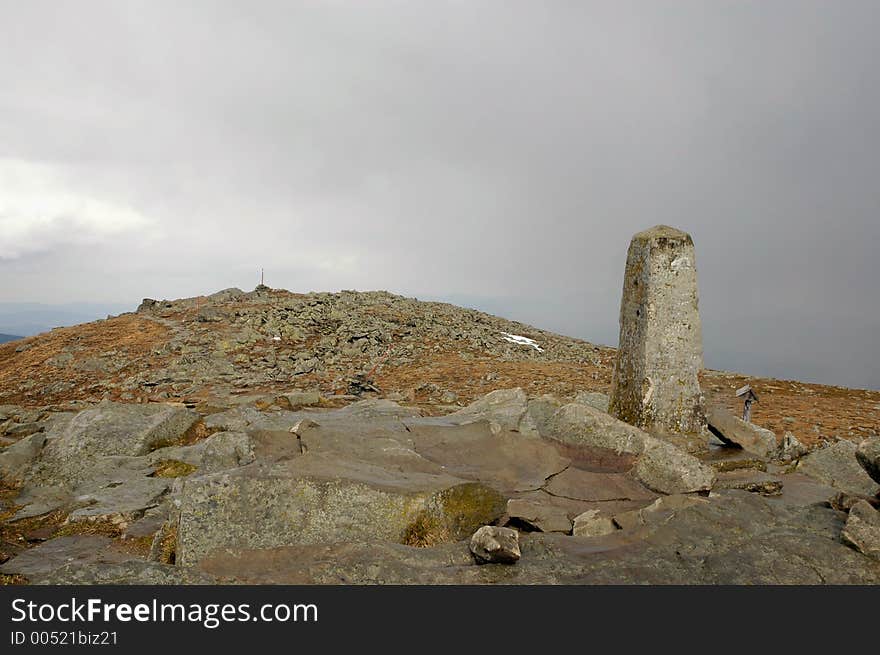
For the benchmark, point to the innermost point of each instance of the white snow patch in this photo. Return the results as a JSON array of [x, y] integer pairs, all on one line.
[[522, 341]]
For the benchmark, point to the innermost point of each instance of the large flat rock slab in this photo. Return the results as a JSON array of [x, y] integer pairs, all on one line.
[[508, 460], [316, 498], [591, 486]]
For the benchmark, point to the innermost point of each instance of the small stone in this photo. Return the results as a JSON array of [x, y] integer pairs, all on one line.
[[591, 524], [791, 448], [302, 425], [491, 544]]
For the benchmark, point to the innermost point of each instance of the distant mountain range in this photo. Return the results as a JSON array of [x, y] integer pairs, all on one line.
[[26, 319]]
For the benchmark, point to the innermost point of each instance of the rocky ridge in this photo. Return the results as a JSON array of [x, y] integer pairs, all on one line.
[[211, 350], [362, 438]]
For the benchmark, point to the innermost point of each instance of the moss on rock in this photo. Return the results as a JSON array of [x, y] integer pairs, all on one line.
[[454, 514]]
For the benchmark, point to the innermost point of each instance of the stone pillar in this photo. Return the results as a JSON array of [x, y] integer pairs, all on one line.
[[660, 354]]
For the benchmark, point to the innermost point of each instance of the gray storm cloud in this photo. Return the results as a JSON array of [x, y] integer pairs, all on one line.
[[498, 154]]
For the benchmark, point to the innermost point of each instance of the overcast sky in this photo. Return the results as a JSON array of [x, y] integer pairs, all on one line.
[[500, 154]]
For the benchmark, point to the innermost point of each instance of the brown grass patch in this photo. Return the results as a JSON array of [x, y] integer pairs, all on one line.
[[131, 335], [425, 531], [173, 468]]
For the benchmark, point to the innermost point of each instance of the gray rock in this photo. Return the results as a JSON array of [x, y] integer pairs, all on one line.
[[148, 305], [491, 544], [506, 460], [733, 430], [9, 412], [24, 430], [655, 384], [245, 418], [153, 520], [844, 502], [862, 529], [232, 293], [665, 468], [210, 315], [192, 455], [306, 366], [734, 538], [660, 465], [119, 429], [503, 408], [375, 408], [54, 554], [89, 458], [837, 466], [16, 460], [586, 426], [868, 455], [297, 399], [127, 572], [101, 458], [225, 450], [592, 524], [120, 503], [791, 448], [310, 499], [539, 411]]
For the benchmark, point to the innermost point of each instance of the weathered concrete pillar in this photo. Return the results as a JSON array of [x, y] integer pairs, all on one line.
[[660, 354]]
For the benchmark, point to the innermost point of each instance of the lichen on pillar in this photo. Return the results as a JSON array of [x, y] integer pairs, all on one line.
[[656, 384]]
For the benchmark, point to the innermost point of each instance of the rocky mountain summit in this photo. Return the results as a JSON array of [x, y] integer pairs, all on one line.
[[273, 437]]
